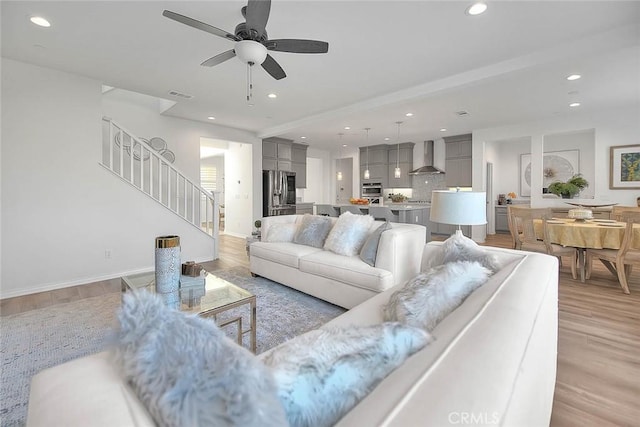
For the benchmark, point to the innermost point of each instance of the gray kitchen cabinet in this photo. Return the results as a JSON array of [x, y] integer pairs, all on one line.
[[501, 220], [269, 164], [284, 151], [276, 154], [299, 164], [403, 158], [304, 208], [270, 149], [405, 179], [378, 164], [284, 165], [458, 161]]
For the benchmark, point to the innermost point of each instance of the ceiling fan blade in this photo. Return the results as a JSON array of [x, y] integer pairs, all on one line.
[[200, 25], [257, 15], [273, 68], [220, 58], [298, 46]]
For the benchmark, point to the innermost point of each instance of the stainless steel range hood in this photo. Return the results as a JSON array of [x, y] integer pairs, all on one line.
[[428, 168]]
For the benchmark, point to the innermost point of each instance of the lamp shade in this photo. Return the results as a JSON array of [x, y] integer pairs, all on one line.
[[459, 207]]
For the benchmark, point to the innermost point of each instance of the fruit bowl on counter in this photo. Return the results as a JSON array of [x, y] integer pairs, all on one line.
[[358, 201]]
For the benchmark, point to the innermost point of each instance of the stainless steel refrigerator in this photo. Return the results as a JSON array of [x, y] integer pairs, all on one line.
[[278, 193]]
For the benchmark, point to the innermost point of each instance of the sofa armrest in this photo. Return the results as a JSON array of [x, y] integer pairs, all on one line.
[[400, 251]]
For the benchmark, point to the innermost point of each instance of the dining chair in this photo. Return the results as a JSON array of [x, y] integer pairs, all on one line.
[[523, 220], [619, 210], [513, 227], [326, 210], [350, 208], [383, 213], [623, 258]]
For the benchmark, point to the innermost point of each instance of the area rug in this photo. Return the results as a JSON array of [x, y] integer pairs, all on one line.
[[38, 339]]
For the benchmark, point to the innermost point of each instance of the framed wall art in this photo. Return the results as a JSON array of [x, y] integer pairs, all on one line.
[[556, 166], [624, 170]]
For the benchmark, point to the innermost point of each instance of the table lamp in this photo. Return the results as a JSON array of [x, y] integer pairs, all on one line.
[[459, 208]]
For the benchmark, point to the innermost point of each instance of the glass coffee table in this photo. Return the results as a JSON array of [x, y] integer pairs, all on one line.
[[217, 297]]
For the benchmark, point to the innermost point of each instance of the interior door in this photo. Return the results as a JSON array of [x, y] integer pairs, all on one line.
[[344, 187]]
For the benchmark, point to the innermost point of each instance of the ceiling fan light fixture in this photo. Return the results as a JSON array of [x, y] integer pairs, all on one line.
[[250, 52]]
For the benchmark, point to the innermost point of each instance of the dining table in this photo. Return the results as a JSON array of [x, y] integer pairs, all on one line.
[[587, 234]]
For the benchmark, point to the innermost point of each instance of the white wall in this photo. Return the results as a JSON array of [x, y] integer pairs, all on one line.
[[315, 181], [323, 178], [60, 209], [238, 213], [611, 128]]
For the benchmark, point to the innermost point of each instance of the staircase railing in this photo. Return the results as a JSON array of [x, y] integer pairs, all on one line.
[[135, 161]]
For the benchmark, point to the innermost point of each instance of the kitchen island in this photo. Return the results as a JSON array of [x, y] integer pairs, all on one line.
[[407, 213]]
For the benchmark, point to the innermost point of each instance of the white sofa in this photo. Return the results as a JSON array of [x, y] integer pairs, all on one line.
[[341, 280], [493, 362]]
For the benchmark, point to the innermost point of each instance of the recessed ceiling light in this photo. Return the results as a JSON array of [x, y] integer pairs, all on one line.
[[387, 138], [211, 118], [344, 145], [347, 127], [574, 77], [476, 8], [443, 129], [272, 95], [39, 20], [409, 114], [303, 137], [574, 104]]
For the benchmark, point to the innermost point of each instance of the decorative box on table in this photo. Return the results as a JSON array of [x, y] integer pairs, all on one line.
[[192, 289]]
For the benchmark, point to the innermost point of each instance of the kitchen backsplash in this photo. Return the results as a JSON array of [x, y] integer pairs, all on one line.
[[423, 185]]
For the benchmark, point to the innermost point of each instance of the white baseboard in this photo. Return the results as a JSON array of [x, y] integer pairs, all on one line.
[[83, 281]]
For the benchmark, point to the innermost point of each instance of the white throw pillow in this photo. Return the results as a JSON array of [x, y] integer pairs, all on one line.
[[324, 373], [461, 248], [429, 297], [281, 232], [187, 372], [349, 234]]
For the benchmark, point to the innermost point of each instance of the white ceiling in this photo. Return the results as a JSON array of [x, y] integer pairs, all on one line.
[[385, 58]]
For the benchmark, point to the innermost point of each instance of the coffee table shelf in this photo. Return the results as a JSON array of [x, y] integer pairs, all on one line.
[[220, 296]]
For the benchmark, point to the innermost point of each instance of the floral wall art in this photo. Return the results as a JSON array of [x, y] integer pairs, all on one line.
[[624, 171], [556, 166]]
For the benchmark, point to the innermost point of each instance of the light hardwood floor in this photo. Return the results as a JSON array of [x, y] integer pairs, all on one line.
[[598, 378]]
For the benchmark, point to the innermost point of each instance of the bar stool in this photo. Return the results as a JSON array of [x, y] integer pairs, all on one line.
[[350, 208], [383, 213], [326, 210]]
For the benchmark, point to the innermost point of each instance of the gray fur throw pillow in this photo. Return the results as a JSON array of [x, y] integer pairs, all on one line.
[[312, 230], [429, 297], [461, 248], [348, 234], [324, 373], [188, 373]]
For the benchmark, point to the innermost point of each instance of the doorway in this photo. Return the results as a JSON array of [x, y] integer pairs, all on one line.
[[344, 180]]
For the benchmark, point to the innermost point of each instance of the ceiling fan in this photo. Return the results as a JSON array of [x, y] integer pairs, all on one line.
[[251, 39]]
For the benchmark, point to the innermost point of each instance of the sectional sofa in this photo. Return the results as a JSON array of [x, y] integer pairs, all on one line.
[[342, 280], [493, 362]]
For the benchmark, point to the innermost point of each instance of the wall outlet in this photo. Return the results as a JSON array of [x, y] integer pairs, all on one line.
[[107, 254]]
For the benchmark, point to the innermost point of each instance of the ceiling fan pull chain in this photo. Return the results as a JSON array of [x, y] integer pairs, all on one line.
[[248, 82], [251, 80]]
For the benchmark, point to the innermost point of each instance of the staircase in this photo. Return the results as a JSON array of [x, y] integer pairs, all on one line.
[[150, 171]]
